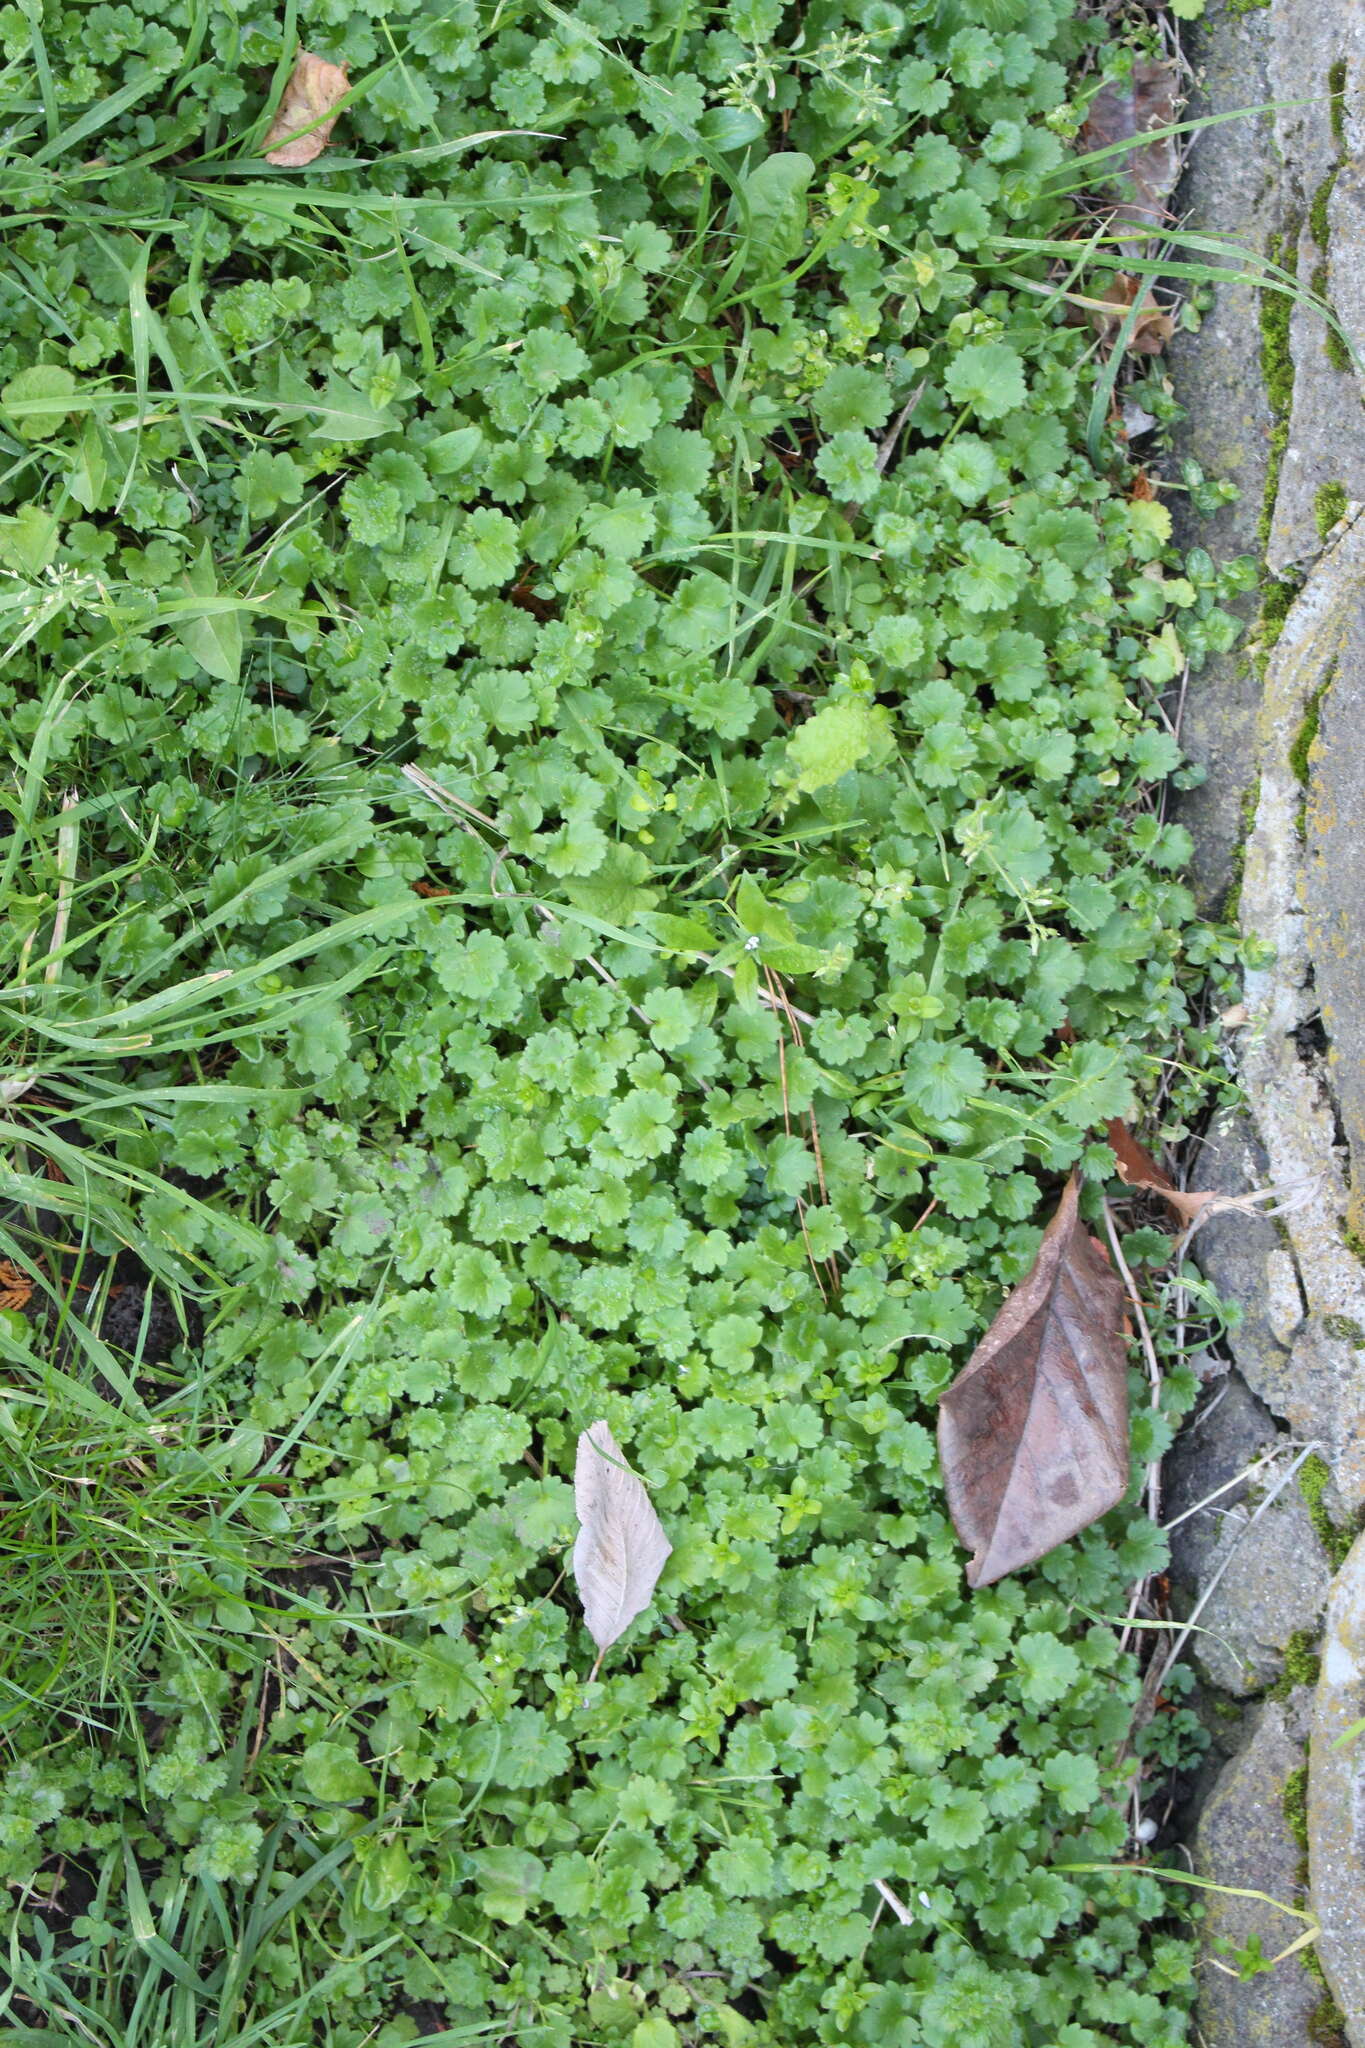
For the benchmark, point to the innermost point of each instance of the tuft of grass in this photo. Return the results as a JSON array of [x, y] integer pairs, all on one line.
[[125, 1545], [202, 1967]]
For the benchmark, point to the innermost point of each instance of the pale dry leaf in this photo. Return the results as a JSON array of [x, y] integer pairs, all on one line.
[[1107, 310], [314, 88], [621, 1547], [1033, 1432]]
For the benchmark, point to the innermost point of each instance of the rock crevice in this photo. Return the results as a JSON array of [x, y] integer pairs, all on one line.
[[1279, 406]]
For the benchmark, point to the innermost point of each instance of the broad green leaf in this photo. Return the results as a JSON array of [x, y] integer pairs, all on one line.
[[776, 197], [214, 637], [679, 934], [837, 738], [28, 540], [35, 400], [89, 472], [760, 918], [331, 1772]]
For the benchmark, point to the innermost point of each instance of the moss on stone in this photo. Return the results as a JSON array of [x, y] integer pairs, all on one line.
[[1327, 2023], [1250, 803], [1277, 374], [1277, 364], [1277, 595], [1301, 1663], [1237, 8], [1329, 505], [1302, 745], [1314, 1479], [1336, 351], [1336, 86], [1317, 211], [1295, 1802]]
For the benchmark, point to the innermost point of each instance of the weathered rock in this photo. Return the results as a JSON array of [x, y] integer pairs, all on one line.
[[1320, 1387], [1326, 445], [1336, 1797], [1228, 188], [1309, 46], [1245, 1840], [1346, 233], [1260, 1564], [1334, 882], [1244, 1255]]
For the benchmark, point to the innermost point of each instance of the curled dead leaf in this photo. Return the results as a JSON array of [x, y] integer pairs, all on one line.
[[621, 1547], [314, 88], [1138, 1169], [1033, 1432]]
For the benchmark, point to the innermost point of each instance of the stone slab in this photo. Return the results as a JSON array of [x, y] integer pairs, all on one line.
[[1334, 880], [1265, 1569], [1319, 1385], [1243, 1255], [1228, 188], [1244, 1840], [1336, 1797], [1326, 443]]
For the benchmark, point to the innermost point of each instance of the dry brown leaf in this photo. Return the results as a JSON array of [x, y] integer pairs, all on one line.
[[313, 90], [621, 1547], [1033, 1432], [15, 1285], [1106, 311], [1138, 1169], [1146, 174]]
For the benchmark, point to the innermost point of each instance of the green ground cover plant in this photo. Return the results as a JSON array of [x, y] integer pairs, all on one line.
[[656, 427]]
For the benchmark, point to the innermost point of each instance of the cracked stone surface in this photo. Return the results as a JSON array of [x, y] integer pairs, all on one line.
[[1268, 1571], [1327, 420], [1336, 1796], [1318, 1385], [1228, 188], [1334, 877], [1296, 175], [1245, 1840]]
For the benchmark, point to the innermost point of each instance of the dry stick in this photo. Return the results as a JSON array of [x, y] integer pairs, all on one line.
[[787, 1126], [1248, 1472], [898, 1906], [780, 988], [888, 447], [1158, 1673], [1153, 1486]]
